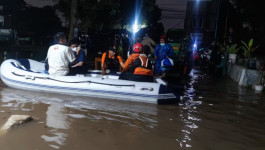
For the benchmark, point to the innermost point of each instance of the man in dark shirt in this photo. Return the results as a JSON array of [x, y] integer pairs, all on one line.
[[78, 67]]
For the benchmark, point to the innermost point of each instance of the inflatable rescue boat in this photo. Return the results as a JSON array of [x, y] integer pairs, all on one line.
[[27, 74]]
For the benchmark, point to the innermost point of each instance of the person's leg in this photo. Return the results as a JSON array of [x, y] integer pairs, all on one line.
[[143, 78], [158, 70], [126, 76], [74, 71]]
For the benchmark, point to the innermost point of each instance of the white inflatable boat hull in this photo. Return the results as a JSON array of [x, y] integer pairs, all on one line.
[[29, 75]]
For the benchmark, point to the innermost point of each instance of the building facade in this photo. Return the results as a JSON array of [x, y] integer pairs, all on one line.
[[5, 22], [196, 17], [201, 19], [173, 13], [8, 10]]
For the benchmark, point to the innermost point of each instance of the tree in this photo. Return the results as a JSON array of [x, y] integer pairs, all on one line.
[[249, 18], [73, 18], [107, 14], [30, 23], [14, 5]]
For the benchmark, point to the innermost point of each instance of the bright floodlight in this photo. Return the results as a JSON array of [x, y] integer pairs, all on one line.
[[194, 45], [135, 28]]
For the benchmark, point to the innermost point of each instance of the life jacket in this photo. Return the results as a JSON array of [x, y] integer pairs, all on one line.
[[129, 61], [145, 68], [112, 64]]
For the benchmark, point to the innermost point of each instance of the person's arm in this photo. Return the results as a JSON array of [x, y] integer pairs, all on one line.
[[122, 64], [78, 64], [127, 64], [170, 51], [103, 72], [81, 59], [70, 55], [46, 62], [120, 60], [156, 51], [75, 57]]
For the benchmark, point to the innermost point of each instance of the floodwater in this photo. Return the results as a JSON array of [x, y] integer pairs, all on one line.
[[215, 114]]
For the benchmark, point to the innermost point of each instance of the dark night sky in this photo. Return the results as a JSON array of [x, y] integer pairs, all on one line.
[[173, 11]]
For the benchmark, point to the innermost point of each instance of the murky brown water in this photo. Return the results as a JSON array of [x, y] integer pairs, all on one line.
[[215, 114]]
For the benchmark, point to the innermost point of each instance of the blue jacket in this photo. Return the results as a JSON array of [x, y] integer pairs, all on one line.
[[162, 51]]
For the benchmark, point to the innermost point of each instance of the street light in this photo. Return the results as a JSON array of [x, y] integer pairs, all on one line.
[[135, 27]]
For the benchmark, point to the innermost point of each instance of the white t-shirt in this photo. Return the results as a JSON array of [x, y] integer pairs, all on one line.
[[59, 57]]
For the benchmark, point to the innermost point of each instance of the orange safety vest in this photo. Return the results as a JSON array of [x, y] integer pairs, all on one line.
[[143, 69], [129, 61]]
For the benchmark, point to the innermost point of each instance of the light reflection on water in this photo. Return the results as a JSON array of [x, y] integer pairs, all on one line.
[[214, 114], [188, 107]]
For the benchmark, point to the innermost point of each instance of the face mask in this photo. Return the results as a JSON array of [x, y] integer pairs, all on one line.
[[162, 44], [74, 49]]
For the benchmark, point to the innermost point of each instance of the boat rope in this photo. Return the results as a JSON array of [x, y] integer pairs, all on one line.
[[88, 81]]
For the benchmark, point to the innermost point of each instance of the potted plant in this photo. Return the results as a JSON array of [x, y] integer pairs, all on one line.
[[261, 75], [232, 50], [248, 50]]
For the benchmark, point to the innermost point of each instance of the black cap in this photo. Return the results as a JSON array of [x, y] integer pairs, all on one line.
[[113, 49]]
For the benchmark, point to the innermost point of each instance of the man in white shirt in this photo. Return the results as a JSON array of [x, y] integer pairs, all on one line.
[[60, 56], [149, 42]]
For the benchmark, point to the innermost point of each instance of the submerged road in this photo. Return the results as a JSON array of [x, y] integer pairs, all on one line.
[[215, 113]]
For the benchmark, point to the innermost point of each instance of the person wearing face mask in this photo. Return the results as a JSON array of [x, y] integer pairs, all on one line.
[[78, 66], [59, 56], [162, 50]]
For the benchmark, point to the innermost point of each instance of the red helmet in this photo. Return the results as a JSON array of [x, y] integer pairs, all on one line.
[[163, 37], [137, 48]]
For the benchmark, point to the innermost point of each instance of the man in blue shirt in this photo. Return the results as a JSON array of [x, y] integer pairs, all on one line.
[[77, 67]]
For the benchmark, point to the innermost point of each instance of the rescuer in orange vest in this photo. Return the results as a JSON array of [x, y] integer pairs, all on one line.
[[126, 73], [142, 67], [138, 67], [111, 60]]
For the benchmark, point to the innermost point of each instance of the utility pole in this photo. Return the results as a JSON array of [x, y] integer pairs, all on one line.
[[217, 19]]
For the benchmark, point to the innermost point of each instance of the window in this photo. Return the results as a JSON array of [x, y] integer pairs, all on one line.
[[1, 8], [1, 21], [197, 22]]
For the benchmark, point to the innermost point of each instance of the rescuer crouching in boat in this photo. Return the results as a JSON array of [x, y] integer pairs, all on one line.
[[140, 68], [111, 60]]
